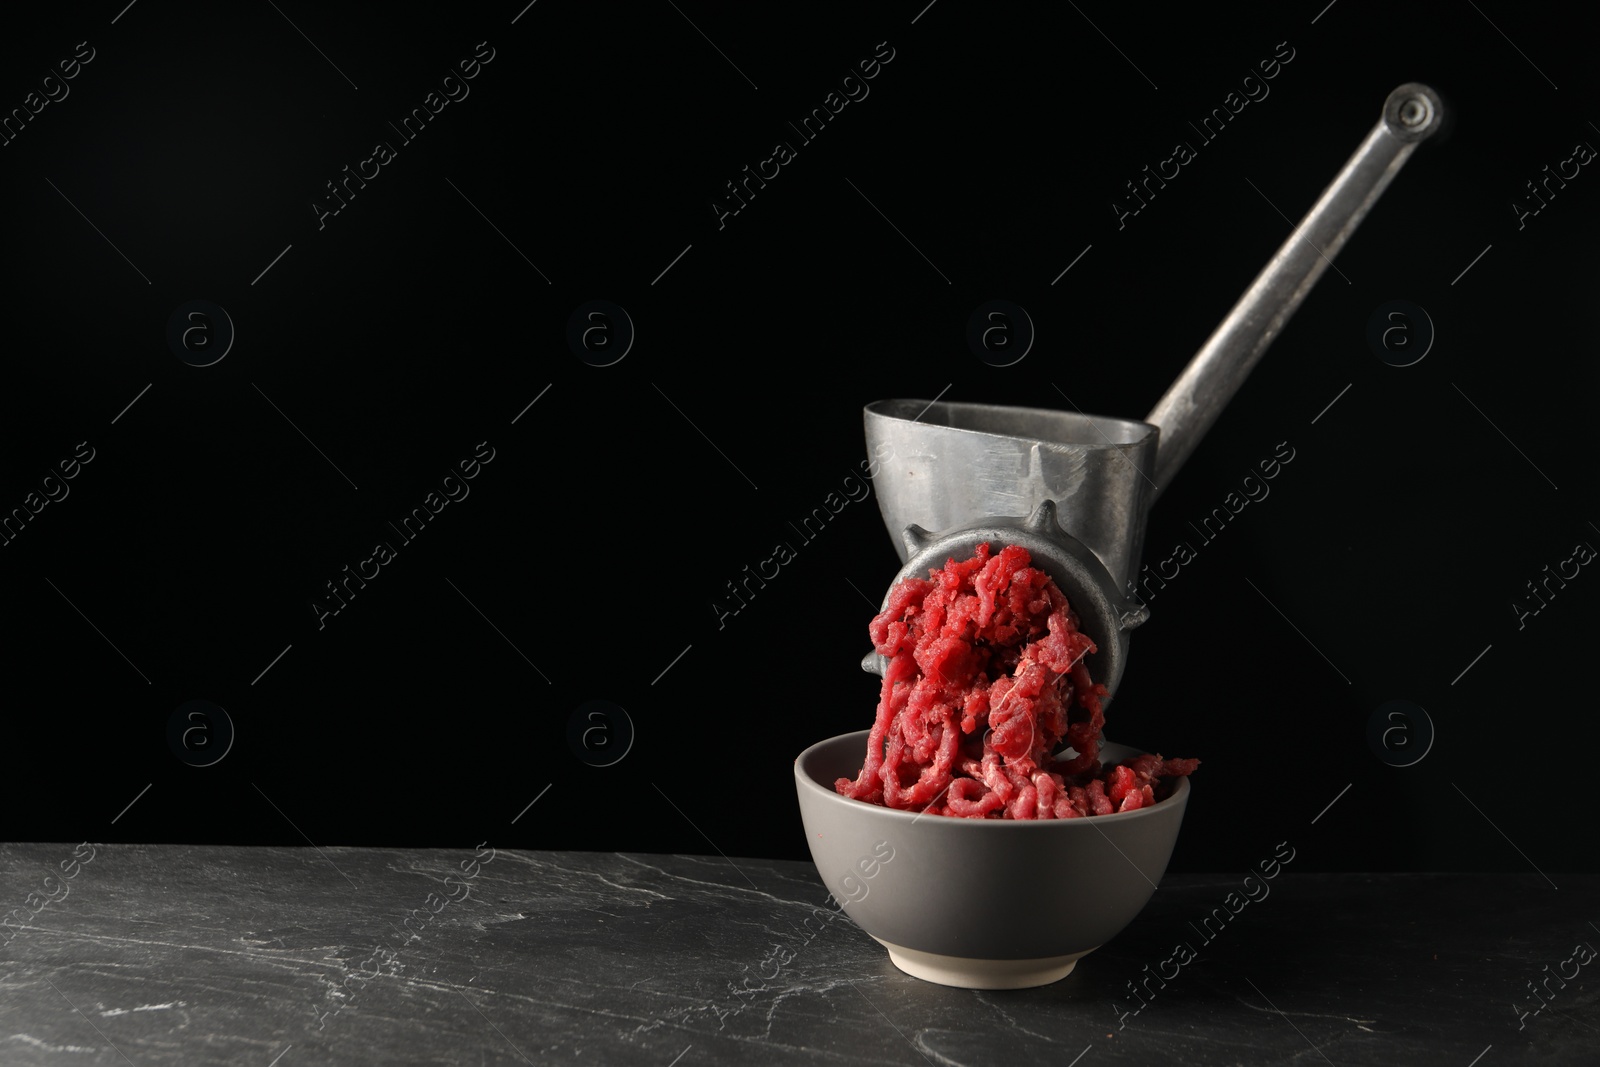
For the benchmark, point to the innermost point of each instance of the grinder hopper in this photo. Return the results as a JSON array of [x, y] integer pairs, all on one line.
[[1075, 489]]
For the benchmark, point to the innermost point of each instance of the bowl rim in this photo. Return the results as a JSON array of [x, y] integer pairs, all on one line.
[[805, 782]]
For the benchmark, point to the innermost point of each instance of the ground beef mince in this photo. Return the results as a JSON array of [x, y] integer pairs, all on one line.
[[985, 683]]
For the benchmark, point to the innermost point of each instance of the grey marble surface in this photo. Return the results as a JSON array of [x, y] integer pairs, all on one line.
[[281, 957]]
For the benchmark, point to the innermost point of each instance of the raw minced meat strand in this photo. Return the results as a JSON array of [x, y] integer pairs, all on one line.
[[985, 681]]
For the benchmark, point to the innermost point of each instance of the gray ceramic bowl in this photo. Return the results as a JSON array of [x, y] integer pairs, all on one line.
[[981, 903]]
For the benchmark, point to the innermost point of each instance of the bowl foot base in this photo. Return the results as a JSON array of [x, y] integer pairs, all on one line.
[[965, 973]]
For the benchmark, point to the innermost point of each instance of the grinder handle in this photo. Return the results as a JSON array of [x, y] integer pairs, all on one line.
[[1412, 113]]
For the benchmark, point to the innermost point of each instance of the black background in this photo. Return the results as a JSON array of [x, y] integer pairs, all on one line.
[[407, 330]]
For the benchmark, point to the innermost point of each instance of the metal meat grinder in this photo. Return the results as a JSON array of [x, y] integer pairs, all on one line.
[[1075, 489]]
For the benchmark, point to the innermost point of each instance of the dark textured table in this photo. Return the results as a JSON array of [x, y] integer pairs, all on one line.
[[191, 955]]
